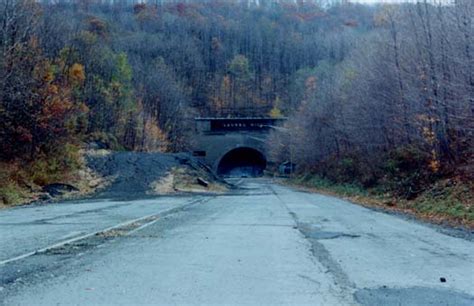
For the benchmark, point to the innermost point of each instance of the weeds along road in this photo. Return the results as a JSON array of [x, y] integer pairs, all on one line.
[[262, 244]]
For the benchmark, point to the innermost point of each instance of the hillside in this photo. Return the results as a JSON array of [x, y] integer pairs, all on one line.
[[379, 97]]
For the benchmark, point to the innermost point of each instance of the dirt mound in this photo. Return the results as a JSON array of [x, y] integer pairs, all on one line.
[[133, 174]]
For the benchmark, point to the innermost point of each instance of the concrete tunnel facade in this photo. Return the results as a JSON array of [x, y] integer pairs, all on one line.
[[230, 145]]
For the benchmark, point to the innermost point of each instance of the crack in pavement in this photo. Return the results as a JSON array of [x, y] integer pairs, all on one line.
[[321, 254], [71, 215], [242, 224]]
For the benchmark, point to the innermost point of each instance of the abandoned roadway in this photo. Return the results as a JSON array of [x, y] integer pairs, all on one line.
[[262, 244]]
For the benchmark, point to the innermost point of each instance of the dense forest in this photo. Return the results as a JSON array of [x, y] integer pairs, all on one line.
[[398, 108], [379, 95]]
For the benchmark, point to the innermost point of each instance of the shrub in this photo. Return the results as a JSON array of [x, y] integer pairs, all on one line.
[[10, 193], [350, 169], [55, 166], [407, 171]]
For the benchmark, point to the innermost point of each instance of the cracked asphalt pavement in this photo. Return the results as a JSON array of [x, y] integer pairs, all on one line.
[[262, 244]]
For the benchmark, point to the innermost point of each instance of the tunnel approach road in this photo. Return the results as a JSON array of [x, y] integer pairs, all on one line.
[[262, 244]]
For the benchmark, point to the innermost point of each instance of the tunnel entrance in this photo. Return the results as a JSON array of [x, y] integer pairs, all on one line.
[[242, 162]]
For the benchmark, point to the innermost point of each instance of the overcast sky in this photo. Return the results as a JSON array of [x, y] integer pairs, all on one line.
[[394, 1], [375, 1]]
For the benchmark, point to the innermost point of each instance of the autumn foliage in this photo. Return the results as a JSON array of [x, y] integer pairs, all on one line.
[[374, 95]]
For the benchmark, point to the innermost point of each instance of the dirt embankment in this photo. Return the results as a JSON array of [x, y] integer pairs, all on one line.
[[127, 175], [19, 184]]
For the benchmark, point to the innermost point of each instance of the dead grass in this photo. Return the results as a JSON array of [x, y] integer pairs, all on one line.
[[98, 152], [184, 179], [165, 185], [87, 180]]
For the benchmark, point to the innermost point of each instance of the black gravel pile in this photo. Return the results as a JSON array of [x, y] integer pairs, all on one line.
[[135, 171]]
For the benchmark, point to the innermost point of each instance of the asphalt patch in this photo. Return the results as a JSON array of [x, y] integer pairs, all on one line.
[[413, 296], [319, 235], [312, 232]]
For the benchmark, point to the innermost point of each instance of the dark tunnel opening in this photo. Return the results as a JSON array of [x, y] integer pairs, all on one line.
[[242, 162]]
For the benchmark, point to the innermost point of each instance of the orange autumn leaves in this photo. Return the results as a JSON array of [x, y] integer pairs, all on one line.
[[55, 104]]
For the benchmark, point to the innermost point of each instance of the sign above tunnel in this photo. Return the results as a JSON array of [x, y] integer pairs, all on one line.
[[236, 124]]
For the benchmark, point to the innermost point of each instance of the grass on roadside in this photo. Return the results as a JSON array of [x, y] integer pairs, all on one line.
[[454, 203], [318, 182], [448, 201]]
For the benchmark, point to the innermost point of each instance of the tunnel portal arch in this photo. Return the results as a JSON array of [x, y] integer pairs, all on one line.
[[216, 138], [242, 161]]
